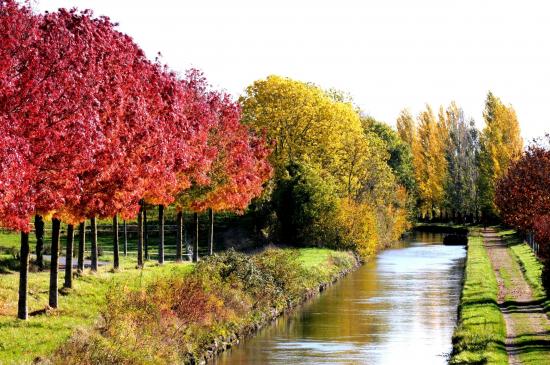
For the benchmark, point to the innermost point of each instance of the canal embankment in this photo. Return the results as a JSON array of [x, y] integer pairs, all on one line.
[[481, 332], [502, 316], [191, 318]]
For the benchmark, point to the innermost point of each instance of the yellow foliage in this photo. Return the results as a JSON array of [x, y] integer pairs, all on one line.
[[357, 226], [304, 122], [429, 161], [501, 144]]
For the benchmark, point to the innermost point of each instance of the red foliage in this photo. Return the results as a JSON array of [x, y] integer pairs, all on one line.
[[89, 126], [240, 166], [523, 195], [47, 107]]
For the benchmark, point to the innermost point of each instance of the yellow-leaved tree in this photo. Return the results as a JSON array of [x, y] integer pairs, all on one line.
[[500, 145], [320, 148], [429, 161]]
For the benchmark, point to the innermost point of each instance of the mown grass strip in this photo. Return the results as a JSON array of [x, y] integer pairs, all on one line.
[[481, 332]]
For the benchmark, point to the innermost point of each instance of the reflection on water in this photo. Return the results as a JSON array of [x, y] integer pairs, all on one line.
[[397, 309]]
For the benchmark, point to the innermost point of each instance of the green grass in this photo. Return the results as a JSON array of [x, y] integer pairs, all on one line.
[[530, 265], [22, 341], [534, 346], [481, 332]]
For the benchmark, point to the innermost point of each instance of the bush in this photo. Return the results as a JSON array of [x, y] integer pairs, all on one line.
[[357, 228], [306, 205]]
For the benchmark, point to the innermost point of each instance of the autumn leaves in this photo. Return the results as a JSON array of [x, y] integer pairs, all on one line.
[[89, 127], [456, 166]]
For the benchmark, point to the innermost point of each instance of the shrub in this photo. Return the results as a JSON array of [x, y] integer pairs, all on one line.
[[357, 228], [305, 203]]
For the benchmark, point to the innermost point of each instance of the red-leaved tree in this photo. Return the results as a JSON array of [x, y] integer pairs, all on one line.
[[523, 198]]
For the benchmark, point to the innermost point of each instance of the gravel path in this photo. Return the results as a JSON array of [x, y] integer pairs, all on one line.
[[527, 326]]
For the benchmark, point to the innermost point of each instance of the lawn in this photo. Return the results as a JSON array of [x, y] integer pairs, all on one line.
[[22, 341]]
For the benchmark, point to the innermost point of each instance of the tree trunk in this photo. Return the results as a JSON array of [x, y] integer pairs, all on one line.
[[196, 250], [140, 236], [56, 228], [125, 238], [93, 225], [69, 258], [116, 260], [161, 234], [179, 236], [145, 233], [39, 232], [23, 277], [211, 231], [81, 246]]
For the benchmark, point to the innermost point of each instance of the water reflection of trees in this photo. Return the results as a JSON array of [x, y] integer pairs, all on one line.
[[404, 299]]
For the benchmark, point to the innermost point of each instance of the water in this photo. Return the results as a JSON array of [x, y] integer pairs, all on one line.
[[397, 309]]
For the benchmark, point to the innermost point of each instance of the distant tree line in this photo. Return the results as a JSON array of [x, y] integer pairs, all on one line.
[[456, 166]]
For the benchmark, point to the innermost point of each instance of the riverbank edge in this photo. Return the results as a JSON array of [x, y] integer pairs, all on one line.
[[480, 333], [249, 330]]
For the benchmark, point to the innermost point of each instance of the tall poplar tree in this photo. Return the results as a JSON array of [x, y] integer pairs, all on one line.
[[462, 153], [406, 127], [430, 164], [501, 144]]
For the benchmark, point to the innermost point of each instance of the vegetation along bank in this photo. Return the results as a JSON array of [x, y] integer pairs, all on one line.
[[172, 313]]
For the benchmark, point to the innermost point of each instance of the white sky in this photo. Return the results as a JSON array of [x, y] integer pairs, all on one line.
[[388, 54]]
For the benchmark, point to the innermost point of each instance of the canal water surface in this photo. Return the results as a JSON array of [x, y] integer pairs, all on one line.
[[400, 308]]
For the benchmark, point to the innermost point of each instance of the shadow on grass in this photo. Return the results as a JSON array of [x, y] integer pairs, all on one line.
[[511, 306], [529, 346], [8, 264]]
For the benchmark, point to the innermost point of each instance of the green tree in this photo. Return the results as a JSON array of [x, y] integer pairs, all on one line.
[[400, 155], [462, 154], [305, 202]]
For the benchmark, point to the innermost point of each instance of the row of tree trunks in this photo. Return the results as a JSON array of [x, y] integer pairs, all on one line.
[[22, 311], [39, 228]]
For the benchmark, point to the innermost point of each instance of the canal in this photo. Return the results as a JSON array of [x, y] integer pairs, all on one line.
[[400, 308]]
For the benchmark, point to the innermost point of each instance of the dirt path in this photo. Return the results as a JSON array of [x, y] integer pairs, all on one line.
[[527, 327]]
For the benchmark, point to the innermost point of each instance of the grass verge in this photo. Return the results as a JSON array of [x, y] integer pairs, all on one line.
[[532, 344], [481, 331]]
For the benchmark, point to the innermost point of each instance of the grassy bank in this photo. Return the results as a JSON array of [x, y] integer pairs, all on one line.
[[530, 265], [162, 314], [481, 332]]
